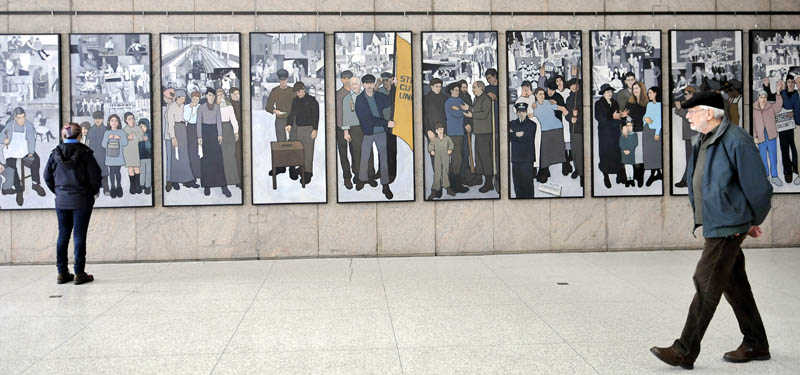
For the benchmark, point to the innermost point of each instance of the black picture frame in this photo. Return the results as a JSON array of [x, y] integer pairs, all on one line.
[[509, 186], [750, 77], [161, 101], [43, 163], [499, 177], [671, 87], [150, 57], [322, 110], [332, 88], [591, 111]]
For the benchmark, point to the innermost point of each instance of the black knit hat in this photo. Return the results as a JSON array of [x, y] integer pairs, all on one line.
[[706, 98]]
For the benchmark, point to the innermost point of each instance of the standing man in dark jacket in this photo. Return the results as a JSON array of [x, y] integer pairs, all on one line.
[[575, 119], [730, 195], [304, 116], [433, 110], [369, 107], [74, 176], [791, 101], [521, 133]]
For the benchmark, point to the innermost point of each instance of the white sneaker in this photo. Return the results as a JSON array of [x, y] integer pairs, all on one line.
[[777, 181], [797, 180]]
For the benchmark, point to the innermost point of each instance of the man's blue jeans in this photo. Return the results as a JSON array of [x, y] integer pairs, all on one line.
[[77, 222]]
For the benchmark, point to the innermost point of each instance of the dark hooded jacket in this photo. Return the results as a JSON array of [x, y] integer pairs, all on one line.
[[74, 176]]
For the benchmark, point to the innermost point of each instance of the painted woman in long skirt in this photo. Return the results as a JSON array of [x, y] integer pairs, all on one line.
[[651, 137], [553, 148], [209, 129], [181, 171], [134, 134], [230, 134]]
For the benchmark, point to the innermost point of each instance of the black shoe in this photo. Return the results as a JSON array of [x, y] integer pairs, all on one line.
[[131, 188], [20, 200], [787, 178], [294, 173], [544, 174], [278, 171], [651, 180], [387, 192], [458, 187], [745, 354], [487, 185], [671, 357], [359, 184], [575, 174], [681, 184], [348, 184], [38, 189], [119, 191], [137, 182], [207, 191], [168, 187], [226, 192], [607, 181], [147, 190], [83, 278], [9, 192], [566, 168], [438, 193], [451, 192], [176, 186], [64, 278], [307, 177], [434, 194], [373, 182]]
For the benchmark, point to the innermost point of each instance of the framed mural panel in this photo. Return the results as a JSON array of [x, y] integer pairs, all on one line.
[[287, 86], [775, 107], [374, 117], [201, 119], [110, 95], [700, 60], [460, 115], [31, 120], [545, 114], [626, 113]]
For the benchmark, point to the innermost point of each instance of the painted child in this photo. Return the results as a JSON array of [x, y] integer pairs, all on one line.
[[627, 145], [440, 146]]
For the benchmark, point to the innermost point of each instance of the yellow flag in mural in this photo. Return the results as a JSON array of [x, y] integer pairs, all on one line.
[[403, 105]]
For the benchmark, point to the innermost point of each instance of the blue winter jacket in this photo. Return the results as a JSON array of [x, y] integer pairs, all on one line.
[[73, 175], [736, 191], [366, 118]]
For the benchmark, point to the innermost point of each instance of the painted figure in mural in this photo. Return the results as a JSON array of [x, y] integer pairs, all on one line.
[[180, 170], [765, 131], [279, 103], [483, 129], [132, 158], [387, 87], [342, 143], [168, 97], [687, 132], [628, 143], [304, 116], [455, 111], [651, 136], [574, 116], [636, 107], [493, 91], [146, 156], [369, 106], [730, 199], [470, 173], [791, 101], [230, 135], [236, 105], [73, 175], [114, 141], [521, 133], [433, 102], [440, 148], [209, 137], [354, 134], [19, 140], [608, 118], [95, 136], [192, 146], [547, 112]]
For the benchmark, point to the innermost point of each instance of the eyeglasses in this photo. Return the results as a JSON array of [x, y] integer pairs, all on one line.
[[693, 111]]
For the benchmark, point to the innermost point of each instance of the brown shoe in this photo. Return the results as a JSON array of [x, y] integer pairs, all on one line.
[[671, 357], [64, 278], [83, 278], [746, 354]]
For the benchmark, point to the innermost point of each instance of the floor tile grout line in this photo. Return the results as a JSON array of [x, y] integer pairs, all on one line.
[[244, 315], [95, 318], [391, 320], [539, 316], [27, 285]]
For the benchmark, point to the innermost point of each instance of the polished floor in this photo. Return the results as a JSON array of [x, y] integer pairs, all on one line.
[[580, 313]]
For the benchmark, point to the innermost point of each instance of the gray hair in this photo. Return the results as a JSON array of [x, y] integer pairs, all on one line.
[[718, 113]]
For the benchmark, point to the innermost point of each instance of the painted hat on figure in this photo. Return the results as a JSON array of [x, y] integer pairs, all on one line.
[[706, 98], [282, 74], [521, 107], [573, 82], [605, 87], [386, 75], [368, 78]]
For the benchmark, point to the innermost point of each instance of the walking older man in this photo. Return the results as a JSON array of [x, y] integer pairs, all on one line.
[[731, 197]]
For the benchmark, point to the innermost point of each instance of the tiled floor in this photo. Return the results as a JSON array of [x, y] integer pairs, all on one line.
[[499, 314]]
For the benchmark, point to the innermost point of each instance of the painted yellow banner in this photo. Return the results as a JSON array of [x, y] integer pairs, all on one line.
[[403, 104]]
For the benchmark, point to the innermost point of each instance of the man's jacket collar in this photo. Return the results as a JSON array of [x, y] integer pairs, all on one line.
[[721, 128]]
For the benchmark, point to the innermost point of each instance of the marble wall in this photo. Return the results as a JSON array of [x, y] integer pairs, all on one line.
[[417, 228]]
